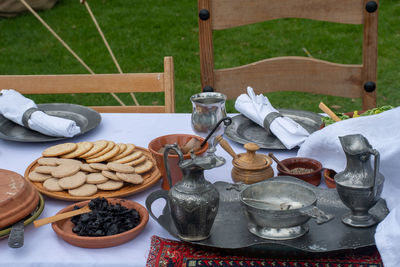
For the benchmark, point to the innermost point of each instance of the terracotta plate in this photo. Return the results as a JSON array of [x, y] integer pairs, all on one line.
[[150, 178], [29, 219], [64, 228]]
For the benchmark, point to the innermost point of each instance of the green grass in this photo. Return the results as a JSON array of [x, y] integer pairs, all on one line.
[[142, 32]]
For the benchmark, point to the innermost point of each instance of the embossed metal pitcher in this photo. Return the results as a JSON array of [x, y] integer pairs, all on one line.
[[358, 185], [193, 201]]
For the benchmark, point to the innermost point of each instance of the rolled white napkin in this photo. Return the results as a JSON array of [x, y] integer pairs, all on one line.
[[257, 107], [13, 106], [382, 132]]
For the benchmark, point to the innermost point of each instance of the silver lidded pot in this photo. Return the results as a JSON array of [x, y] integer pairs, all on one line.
[[358, 185]]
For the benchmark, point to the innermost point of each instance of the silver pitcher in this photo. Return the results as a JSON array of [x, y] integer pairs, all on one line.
[[358, 185], [193, 201]]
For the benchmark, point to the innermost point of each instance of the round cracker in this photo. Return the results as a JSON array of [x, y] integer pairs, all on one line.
[[97, 146], [132, 178], [136, 161], [38, 177], [45, 169], [96, 178], [110, 185], [105, 156], [82, 148], [110, 146], [48, 161], [119, 167], [59, 149], [110, 175], [122, 147], [69, 161], [99, 166], [65, 170], [129, 149], [51, 184], [84, 190], [73, 181], [133, 156], [86, 167], [144, 167]]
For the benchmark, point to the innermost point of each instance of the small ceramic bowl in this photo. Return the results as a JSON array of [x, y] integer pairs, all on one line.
[[181, 139], [313, 177], [329, 175], [63, 228]]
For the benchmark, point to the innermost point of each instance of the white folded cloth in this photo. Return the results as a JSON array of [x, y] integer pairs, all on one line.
[[257, 107], [13, 106], [382, 132]]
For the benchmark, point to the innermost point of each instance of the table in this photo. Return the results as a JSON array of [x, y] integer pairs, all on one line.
[[43, 247]]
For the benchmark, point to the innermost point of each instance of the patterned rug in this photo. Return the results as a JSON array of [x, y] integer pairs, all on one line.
[[170, 253]]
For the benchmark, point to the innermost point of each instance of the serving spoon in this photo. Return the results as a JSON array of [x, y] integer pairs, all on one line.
[[61, 216]]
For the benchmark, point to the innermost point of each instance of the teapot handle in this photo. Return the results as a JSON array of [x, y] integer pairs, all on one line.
[[166, 152], [376, 168]]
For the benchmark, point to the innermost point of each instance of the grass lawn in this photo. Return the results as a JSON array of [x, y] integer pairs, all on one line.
[[142, 32]]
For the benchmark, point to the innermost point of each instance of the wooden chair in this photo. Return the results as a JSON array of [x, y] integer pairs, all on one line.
[[291, 73], [101, 83]]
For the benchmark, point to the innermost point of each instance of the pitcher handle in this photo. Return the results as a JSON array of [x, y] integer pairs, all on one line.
[[153, 197], [376, 168], [166, 152]]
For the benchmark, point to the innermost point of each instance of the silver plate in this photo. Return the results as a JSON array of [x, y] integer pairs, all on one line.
[[230, 228], [86, 118], [243, 130]]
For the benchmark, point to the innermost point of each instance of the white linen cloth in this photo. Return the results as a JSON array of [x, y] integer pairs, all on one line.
[[257, 107], [382, 132], [13, 105]]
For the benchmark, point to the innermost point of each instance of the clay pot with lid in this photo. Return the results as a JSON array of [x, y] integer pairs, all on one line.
[[249, 167]]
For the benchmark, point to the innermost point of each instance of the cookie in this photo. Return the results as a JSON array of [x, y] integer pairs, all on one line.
[[99, 166], [73, 181], [38, 177], [97, 146], [48, 161], [45, 169], [119, 167], [65, 170], [96, 178], [84, 190], [86, 168], [133, 156], [51, 184], [59, 149], [132, 178], [110, 185], [106, 156], [110, 175], [129, 149], [136, 161], [82, 148], [144, 167], [110, 145]]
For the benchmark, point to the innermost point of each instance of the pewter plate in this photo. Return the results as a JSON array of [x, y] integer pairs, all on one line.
[[243, 130], [86, 118], [230, 231]]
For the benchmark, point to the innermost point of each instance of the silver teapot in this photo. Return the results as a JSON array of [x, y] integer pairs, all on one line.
[[193, 202], [358, 185]]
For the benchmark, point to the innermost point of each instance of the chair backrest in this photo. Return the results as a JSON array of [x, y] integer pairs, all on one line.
[[101, 83], [291, 73]]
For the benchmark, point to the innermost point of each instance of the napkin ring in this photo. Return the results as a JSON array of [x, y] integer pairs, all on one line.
[[268, 120], [27, 114]]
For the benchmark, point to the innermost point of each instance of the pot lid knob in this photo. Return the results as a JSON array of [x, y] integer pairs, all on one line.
[[250, 158]]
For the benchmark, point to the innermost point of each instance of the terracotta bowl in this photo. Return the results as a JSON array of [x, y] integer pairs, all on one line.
[[181, 139], [329, 175], [63, 228], [313, 177]]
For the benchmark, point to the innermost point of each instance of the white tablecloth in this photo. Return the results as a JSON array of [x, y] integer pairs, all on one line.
[[44, 248]]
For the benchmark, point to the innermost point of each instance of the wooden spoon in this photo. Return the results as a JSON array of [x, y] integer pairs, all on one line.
[[271, 155], [328, 111], [61, 216]]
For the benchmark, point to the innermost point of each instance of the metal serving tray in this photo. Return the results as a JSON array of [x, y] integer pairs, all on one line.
[[230, 230], [243, 130]]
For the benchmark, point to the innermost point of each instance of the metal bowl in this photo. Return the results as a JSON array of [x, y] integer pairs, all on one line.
[[279, 210]]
